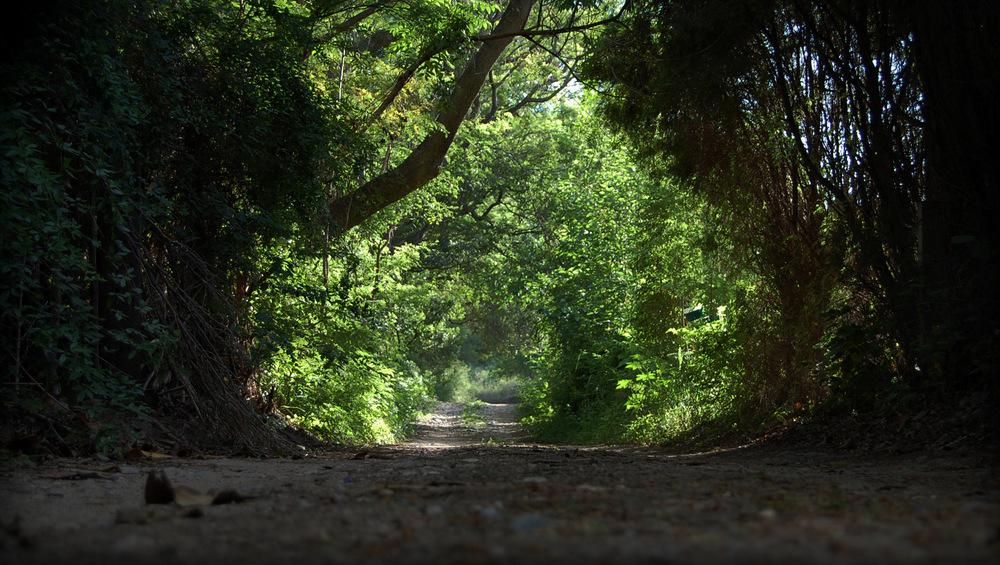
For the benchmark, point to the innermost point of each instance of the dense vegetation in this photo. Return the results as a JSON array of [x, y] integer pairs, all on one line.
[[655, 219]]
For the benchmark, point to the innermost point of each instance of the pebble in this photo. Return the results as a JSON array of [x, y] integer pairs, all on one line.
[[529, 522]]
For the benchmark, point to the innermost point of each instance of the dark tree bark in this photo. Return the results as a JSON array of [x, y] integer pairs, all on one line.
[[959, 65], [424, 163]]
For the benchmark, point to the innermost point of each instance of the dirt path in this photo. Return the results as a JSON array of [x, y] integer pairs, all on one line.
[[453, 496], [445, 427]]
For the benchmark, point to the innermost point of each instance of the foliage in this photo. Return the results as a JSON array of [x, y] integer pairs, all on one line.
[[579, 293], [724, 238], [819, 135], [173, 168], [72, 196]]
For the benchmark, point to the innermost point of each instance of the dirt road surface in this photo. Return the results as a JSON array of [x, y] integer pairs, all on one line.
[[466, 492]]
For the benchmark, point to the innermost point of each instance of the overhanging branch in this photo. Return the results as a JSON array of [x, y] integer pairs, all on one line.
[[529, 33], [424, 162]]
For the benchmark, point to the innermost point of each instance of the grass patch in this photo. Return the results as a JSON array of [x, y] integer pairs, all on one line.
[[472, 413]]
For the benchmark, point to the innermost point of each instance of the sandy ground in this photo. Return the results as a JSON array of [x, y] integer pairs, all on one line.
[[458, 493]]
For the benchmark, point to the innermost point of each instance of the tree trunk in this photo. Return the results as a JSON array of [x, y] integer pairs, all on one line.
[[957, 54], [424, 163]]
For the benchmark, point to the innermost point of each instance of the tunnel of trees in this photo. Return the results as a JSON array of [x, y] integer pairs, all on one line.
[[658, 221]]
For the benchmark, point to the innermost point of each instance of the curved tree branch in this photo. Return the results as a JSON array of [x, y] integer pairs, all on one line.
[[401, 81], [424, 163]]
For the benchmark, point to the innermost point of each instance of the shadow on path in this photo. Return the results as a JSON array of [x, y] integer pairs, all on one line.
[[450, 495], [444, 427]]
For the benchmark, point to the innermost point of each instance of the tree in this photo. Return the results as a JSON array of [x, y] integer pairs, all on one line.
[[424, 162], [844, 110], [956, 55]]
